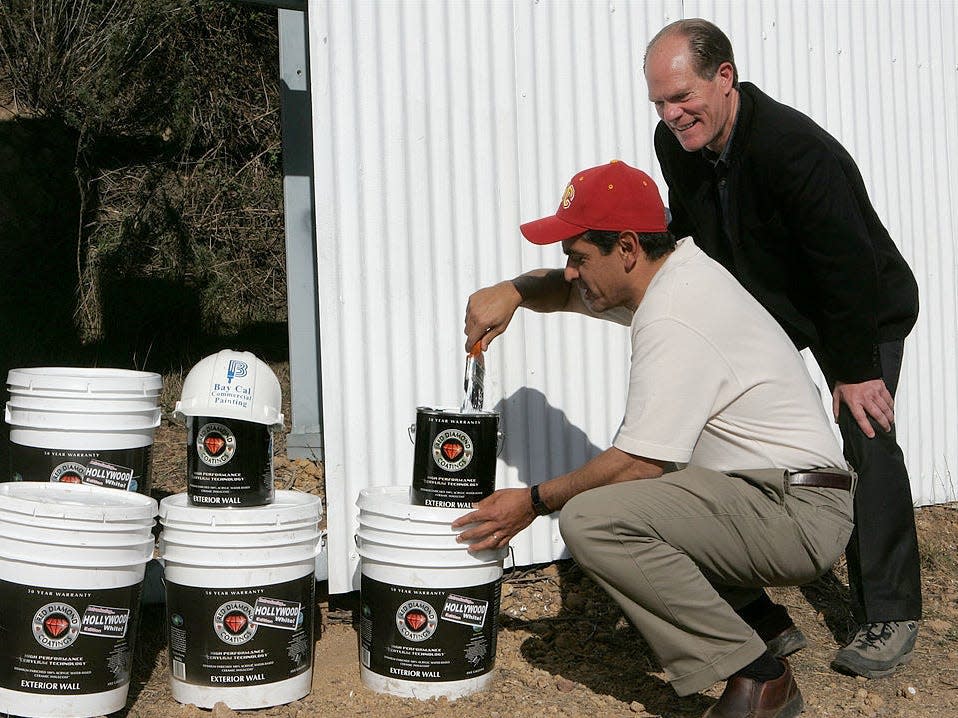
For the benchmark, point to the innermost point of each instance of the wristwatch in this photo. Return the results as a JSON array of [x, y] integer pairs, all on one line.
[[538, 505]]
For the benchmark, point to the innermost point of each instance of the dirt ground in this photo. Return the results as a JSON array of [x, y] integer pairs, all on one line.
[[565, 649]]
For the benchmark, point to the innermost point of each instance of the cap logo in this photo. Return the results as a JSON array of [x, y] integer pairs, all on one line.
[[568, 196]]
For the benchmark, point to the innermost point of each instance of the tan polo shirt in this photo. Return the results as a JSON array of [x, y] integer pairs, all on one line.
[[714, 379]]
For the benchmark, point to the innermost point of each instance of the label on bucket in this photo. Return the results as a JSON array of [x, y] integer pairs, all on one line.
[[64, 641], [454, 458], [229, 637], [124, 469], [428, 634], [229, 462]]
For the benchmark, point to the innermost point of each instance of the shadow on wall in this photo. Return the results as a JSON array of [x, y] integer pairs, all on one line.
[[539, 440]]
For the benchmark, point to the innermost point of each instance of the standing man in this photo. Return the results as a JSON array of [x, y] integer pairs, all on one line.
[[782, 205], [715, 385]]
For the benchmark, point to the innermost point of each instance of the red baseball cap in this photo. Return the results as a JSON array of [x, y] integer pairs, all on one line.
[[613, 197]]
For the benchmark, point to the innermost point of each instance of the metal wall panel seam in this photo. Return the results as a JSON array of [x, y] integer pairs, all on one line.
[[326, 184], [946, 184], [923, 340]]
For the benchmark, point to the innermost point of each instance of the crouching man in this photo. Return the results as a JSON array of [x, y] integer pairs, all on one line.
[[764, 496]]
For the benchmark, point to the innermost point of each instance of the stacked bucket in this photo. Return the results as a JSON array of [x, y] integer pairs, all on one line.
[[89, 426], [239, 558], [429, 607], [75, 536]]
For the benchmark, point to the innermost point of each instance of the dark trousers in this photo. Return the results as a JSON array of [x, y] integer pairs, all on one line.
[[882, 553]]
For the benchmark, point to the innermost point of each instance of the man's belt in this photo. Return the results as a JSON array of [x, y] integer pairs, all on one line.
[[821, 479]]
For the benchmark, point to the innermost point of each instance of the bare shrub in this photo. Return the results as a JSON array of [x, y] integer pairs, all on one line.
[[85, 61]]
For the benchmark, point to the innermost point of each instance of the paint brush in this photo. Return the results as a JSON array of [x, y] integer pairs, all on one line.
[[473, 380]]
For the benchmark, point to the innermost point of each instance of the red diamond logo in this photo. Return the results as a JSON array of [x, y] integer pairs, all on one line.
[[452, 449], [235, 622], [214, 444], [71, 477], [416, 620], [56, 625]]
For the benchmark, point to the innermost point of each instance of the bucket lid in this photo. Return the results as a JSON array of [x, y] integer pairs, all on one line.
[[99, 404], [116, 421], [427, 557], [409, 541], [287, 507], [85, 380], [77, 501], [88, 556], [114, 526], [232, 385], [394, 501]]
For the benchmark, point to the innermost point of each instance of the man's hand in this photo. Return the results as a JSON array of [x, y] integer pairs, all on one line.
[[496, 520], [866, 399], [489, 311]]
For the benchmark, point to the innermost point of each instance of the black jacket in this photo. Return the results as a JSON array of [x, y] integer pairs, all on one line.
[[802, 235]]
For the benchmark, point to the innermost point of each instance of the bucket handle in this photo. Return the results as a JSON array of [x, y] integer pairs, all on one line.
[[500, 438]]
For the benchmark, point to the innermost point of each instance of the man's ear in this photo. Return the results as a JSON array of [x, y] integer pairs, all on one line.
[[726, 77], [629, 248]]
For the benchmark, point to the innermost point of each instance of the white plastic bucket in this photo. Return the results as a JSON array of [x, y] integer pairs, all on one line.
[[80, 383], [240, 599], [429, 608], [70, 590], [78, 425]]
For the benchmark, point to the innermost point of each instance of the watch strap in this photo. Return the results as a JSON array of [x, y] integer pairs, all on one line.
[[538, 505]]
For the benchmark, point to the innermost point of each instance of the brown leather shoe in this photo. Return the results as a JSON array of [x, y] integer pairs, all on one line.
[[745, 698]]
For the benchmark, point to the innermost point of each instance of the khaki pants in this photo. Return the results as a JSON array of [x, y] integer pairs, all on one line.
[[681, 552]]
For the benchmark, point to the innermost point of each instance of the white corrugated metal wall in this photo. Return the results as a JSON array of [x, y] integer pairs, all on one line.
[[439, 126]]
